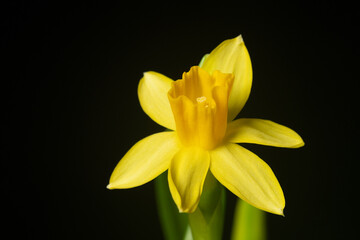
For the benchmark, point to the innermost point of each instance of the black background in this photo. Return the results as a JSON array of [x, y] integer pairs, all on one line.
[[70, 109]]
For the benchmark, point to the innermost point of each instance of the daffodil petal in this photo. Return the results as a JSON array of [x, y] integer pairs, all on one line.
[[147, 159], [265, 132], [186, 177], [203, 59], [152, 92], [231, 56], [248, 177]]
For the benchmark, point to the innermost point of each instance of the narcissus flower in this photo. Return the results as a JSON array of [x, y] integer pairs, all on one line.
[[199, 109]]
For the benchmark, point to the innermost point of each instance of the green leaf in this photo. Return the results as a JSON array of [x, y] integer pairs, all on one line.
[[208, 219], [174, 224], [249, 222]]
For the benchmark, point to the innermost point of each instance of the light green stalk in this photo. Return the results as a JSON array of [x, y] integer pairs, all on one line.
[[249, 222]]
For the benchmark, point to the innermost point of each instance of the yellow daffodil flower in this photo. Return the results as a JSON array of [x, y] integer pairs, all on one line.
[[199, 109]]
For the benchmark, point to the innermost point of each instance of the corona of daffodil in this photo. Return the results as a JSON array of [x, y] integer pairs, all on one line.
[[200, 109]]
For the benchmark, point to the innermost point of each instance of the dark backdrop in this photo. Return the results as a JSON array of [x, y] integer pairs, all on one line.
[[70, 109]]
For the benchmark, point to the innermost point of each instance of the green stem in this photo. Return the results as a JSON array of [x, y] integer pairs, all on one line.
[[206, 223], [249, 222], [174, 224], [208, 220]]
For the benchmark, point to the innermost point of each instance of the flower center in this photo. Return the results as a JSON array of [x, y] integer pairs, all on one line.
[[199, 102]]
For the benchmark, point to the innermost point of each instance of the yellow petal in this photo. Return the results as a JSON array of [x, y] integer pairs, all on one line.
[[152, 92], [203, 59], [248, 177], [147, 159], [231, 56], [265, 132], [186, 177]]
